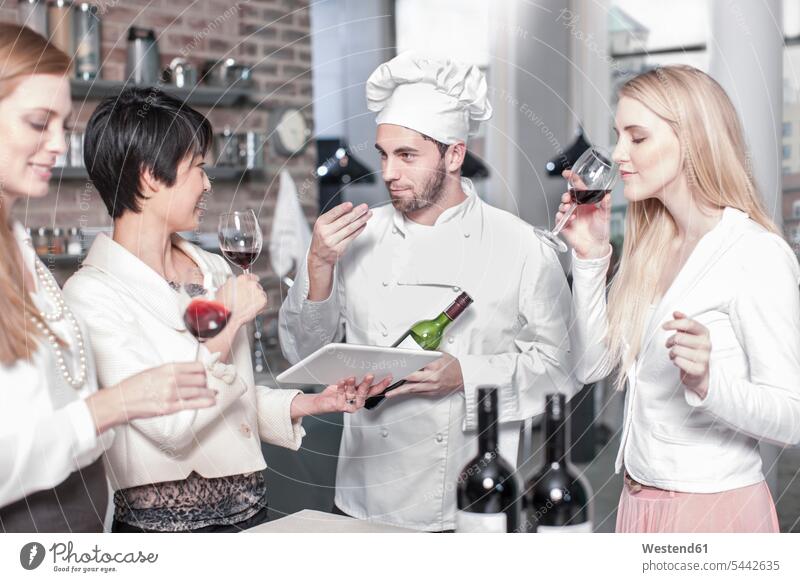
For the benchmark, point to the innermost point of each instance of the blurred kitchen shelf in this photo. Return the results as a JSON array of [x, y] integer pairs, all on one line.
[[199, 95], [221, 173]]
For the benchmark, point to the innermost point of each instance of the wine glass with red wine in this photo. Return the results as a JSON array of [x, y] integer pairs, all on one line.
[[593, 176], [205, 318], [240, 238]]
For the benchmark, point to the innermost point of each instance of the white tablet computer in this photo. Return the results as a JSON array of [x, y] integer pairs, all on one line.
[[331, 363]]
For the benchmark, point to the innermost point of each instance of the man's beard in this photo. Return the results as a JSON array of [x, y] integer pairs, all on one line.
[[431, 193]]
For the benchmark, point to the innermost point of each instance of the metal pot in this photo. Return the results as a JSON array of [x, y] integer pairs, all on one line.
[[227, 73], [144, 61], [182, 73]]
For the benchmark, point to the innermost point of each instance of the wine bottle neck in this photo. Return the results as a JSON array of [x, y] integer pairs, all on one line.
[[458, 306], [487, 441], [555, 441], [487, 425], [555, 429], [443, 320]]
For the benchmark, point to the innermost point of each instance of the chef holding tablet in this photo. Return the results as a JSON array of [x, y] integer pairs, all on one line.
[[370, 274]]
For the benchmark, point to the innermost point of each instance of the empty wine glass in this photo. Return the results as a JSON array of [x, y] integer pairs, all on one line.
[[593, 176], [240, 238]]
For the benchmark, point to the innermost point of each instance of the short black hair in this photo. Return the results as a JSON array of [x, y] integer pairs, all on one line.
[[140, 129]]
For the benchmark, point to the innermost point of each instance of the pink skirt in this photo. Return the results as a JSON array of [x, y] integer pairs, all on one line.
[[745, 510]]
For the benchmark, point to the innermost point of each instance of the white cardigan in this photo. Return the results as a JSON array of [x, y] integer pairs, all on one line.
[[136, 323], [741, 282]]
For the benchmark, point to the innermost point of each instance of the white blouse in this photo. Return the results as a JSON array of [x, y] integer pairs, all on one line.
[[46, 429]]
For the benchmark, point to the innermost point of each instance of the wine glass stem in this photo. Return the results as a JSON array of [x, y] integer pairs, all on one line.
[[256, 325], [563, 222]]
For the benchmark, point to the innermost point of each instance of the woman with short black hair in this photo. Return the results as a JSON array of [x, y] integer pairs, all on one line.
[[145, 151]]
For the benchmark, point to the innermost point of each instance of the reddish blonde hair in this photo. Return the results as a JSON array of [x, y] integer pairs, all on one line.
[[22, 53]]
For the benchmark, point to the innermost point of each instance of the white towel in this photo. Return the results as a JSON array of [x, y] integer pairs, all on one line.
[[291, 234]]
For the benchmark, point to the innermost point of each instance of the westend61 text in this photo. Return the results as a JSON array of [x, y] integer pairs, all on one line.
[[670, 549]]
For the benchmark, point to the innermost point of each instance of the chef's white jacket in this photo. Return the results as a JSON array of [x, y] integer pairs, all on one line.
[[399, 463]]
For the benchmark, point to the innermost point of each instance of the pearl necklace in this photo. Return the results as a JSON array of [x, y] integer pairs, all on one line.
[[61, 311]]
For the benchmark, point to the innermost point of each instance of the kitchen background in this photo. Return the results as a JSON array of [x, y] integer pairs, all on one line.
[[296, 82], [271, 37]]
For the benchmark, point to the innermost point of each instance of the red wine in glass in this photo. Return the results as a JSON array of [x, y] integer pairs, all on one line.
[[589, 196], [205, 318], [240, 238], [242, 259], [593, 176]]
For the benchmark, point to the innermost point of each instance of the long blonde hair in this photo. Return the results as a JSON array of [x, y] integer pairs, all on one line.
[[715, 165], [22, 53]]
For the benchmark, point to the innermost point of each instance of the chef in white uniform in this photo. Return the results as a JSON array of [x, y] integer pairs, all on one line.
[[369, 275]]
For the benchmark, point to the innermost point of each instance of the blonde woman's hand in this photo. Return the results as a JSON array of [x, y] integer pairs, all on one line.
[[158, 391], [587, 230], [690, 351]]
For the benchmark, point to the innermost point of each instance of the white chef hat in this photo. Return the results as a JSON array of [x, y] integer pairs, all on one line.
[[440, 98]]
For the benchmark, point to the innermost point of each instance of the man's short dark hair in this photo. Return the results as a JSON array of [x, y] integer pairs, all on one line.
[[442, 147], [140, 129]]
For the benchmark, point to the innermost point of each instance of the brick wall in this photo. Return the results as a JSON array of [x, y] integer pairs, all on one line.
[[270, 35]]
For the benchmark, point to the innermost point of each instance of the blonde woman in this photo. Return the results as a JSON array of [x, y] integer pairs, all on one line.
[[703, 316], [54, 423]]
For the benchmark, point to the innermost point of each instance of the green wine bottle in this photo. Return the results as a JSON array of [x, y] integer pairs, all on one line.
[[426, 335]]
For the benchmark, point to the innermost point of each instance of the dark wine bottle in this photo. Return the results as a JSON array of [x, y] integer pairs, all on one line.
[[557, 498], [426, 335], [488, 492]]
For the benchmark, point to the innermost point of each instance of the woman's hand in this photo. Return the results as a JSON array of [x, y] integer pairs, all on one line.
[[690, 350], [343, 396], [158, 391], [244, 297], [587, 230]]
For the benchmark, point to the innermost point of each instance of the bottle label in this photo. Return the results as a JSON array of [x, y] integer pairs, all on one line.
[[585, 527], [469, 522], [409, 344]]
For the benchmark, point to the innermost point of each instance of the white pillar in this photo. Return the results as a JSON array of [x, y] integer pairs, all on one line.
[[529, 86], [590, 81], [501, 131], [746, 50], [746, 55]]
